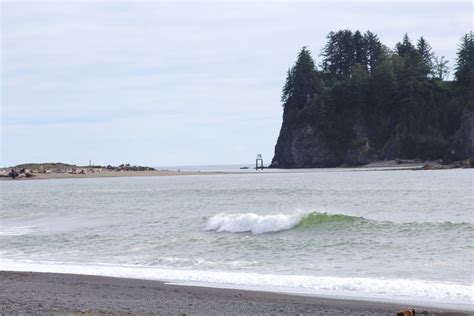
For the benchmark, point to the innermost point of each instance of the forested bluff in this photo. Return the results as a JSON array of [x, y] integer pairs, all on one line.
[[366, 102]]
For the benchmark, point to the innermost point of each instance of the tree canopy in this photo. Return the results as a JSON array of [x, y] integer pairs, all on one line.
[[301, 82], [401, 94]]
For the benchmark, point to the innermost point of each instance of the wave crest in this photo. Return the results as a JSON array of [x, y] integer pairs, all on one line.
[[314, 218], [260, 224]]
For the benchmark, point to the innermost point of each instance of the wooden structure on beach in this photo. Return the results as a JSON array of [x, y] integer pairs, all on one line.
[[259, 162]]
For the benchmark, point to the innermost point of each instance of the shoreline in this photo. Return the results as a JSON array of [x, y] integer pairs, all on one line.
[[372, 166], [57, 293], [110, 174]]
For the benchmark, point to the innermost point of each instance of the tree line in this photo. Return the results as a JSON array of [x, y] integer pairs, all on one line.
[[402, 95]]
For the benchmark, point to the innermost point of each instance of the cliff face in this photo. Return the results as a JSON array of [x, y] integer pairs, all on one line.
[[303, 147], [462, 146], [359, 151], [309, 146]]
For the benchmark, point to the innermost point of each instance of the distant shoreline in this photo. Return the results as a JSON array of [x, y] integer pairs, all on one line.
[[44, 293], [391, 165], [109, 174]]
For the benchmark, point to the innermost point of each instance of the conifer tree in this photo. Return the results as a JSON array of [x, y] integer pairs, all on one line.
[[329, 63], [464, 70], [425, 50], [288, 87], [347, 56], [302, 81], [360, 50], [373, 49], [405, 48], [339, 57]]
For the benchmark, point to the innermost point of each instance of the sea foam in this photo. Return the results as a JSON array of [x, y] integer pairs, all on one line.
[[404, 290], [15, 231], [256, 224], [259, 224]]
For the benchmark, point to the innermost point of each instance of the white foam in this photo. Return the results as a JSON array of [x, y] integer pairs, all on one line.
[[367, 288], [256, 224], [176, 262], [15, 231]]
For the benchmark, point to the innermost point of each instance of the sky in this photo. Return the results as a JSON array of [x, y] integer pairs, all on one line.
[[167, 83]]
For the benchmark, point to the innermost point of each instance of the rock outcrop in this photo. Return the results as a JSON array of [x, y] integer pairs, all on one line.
[[304, 147], [462, 146], [359, 151], [358, 155], [309, 146]]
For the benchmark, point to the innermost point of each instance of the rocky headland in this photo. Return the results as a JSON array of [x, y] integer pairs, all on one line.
[[368, 103]]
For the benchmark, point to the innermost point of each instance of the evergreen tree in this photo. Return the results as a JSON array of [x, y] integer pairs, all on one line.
[[339, 56], [288, 87], [359, 85], [464, 70], [408, 76], [347, 55], [374, 50], [360, 49], [405, 48], [345, 49], [383, 85], [425, 50], [330, 63], [302, 81]]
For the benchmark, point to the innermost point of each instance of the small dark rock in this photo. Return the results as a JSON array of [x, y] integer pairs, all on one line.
[[13, 174]]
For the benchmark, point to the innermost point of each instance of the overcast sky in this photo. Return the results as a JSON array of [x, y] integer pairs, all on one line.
[[175, 83]]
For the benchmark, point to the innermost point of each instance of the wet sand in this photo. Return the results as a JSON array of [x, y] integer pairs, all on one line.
[[26, 293]]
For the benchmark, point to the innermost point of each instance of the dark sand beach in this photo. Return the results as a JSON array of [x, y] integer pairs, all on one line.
[[26, 293]]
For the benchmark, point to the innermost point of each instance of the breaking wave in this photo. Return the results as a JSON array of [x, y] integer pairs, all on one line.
[[260, 224]]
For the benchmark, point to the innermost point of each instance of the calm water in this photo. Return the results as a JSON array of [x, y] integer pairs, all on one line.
[[406, 235]]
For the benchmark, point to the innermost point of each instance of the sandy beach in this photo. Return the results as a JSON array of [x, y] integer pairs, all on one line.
[[26, 293], [110, 174], [390, 165]]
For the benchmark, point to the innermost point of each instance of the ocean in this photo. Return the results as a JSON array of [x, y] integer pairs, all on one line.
[[397, 235]]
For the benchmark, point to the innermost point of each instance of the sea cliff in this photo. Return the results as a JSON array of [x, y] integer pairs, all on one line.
[[368, 103]]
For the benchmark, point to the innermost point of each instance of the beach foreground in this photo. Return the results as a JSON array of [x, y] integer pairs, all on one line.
[[49, 293]]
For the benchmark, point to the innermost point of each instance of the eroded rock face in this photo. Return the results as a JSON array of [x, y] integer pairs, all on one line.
[[303, 147], [309, 147], [358, 155], [359, 152], [462, 146]]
